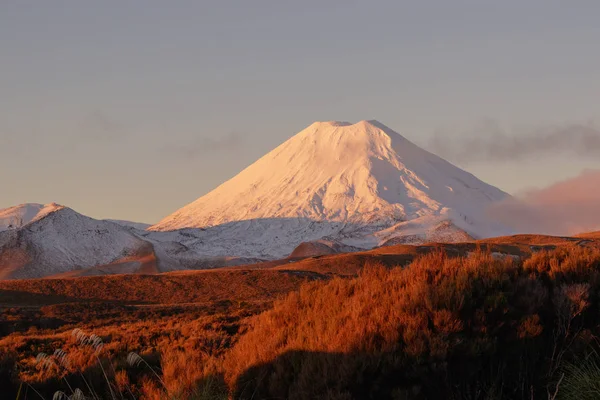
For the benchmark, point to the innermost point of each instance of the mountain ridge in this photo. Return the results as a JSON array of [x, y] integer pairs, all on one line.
[[24, 214], [333, 187], [57, 240]]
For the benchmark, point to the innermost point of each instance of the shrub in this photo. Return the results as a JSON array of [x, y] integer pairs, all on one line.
[[463, 328], [581, 380]]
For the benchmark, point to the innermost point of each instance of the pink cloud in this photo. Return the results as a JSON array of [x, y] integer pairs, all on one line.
[[564, 208]]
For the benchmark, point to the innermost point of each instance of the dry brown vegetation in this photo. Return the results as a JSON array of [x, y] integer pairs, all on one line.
[[400, 255], [172, 288], [161, 317], [460, 322], [477, 327], [590, 235]]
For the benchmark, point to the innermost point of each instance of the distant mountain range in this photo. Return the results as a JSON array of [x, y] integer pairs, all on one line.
[[334, 187], [57, 241]]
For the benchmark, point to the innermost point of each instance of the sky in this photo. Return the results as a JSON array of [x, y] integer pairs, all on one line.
[[132, 109]]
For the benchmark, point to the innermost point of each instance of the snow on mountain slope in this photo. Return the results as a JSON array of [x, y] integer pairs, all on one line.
[[18, 216], [358, 183], [59, 241], [336, 186], [63, 240], [332, 171], [129, 224]]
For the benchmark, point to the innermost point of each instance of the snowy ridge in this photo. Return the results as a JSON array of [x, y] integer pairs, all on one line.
[[23, 214], [129, 224], [55, 240], [59, 240]]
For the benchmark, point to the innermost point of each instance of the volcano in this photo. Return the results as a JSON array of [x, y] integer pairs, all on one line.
[[359, 184]]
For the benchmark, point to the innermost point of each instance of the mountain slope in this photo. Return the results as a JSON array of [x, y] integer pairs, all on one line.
[[55, 240], [130, 224], [360, 183], [62, 240], [334, 171], [21, 215], [18, 216]]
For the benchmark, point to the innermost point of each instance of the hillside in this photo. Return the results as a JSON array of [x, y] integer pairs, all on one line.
[[217, 281], [443, 328], [56, 240], [23, 214], [176, 288], [356, 325], [62, 240], [590, 235], [349, 264]]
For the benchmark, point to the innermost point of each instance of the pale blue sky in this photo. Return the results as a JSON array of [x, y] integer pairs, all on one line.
[[131, 109]]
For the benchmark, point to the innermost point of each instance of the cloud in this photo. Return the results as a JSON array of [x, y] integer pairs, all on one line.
[[90, 131], [204, 146], [98, 126], [564, 208], [493, 144]]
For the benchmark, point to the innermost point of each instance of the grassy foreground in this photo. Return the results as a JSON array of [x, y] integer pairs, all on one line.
[[474, 327]]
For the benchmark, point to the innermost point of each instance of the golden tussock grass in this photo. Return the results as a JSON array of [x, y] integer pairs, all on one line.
[[456, 325]]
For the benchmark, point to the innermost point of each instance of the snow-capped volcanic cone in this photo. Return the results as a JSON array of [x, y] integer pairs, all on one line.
[[361, 177]]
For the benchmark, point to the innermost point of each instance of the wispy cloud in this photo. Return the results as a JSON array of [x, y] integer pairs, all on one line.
[[92, 130], [568, 207], [492, 143], [205, 146], [99, 126]]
